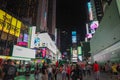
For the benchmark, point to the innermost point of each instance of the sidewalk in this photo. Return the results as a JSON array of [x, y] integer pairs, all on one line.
[[103, 76], [22, 77]]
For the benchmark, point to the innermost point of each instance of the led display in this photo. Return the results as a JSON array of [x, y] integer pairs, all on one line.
[[41, 53], [9, 24], [74, 39], [79, 50], [90, 11], [94, 24]]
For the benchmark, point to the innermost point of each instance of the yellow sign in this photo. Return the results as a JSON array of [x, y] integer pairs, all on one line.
[[7, 57], [9, 24]]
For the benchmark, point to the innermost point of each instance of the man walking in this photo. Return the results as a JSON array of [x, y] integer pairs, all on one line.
[[10, 71], [96, 70]]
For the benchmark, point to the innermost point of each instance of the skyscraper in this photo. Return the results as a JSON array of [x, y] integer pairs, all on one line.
[[40, 13]]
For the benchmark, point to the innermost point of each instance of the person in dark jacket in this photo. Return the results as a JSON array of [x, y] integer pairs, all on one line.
[[79, 72], [10, 71], [73, 72]]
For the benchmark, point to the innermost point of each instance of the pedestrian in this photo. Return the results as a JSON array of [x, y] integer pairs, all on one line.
[[88, 69], [36, 73], [10, 71], [49, 72], [68, 71], [1, 69], [54, 71], [118, 67], [72, 75], [79, 72], [64, 73], [44, 71], [96, 71], [28, 69], [114, 71]]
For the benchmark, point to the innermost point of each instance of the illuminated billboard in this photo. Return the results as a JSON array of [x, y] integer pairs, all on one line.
[[73, 52], [90, 11], [94, 25], [41, 53], [89, 35], [22, 40], [80, 58], [23, 52], [9, 24], [79, 50], [74, 39]]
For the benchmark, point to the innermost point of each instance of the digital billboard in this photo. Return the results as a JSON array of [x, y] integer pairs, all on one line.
[[89, 35], [25, 39], [73, 33], [90, 10], [22, 40], [74, 38], [80, 58], [9, 24], [94, 25], [41, 53], [74, 51], [79, 50]]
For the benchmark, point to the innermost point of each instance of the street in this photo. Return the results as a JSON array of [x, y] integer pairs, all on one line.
[[103, 76]]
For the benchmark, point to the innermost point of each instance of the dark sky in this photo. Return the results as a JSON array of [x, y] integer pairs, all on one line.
[[71, 15], [71, 12]]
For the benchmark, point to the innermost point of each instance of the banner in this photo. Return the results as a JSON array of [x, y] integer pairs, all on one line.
[[23, 52]]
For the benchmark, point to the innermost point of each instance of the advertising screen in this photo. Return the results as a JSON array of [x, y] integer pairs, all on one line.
[[74, 39], [41, 53], [73, 33], [90, 11], [25, 39], [89, 35], [94, 24], [22, 40], [9, 24], [74, 60], [80, 58], [74, 53], [79, 50]]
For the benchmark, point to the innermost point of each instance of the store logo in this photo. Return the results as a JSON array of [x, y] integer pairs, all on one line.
[[37, 41]]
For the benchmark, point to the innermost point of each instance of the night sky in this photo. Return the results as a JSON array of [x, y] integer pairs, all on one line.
[[71, 15]]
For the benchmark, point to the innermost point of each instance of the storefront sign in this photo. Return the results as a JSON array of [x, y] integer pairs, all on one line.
[[23, 52]]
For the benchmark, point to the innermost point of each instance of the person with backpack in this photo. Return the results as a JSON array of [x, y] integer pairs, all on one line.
[[10, 71]]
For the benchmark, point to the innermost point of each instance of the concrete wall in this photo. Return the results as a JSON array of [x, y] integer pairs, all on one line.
[[108, 32]]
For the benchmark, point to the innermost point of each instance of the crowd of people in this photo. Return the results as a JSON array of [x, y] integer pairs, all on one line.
[[8, 70], [112, 69], [77, 71], [68, 71]]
